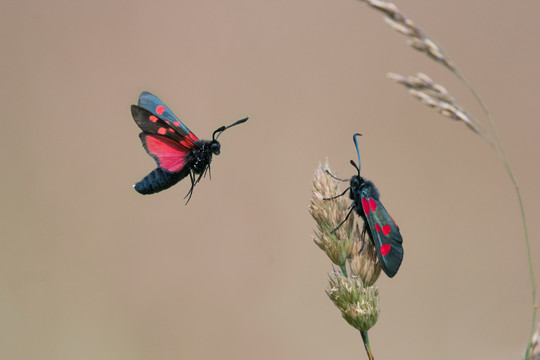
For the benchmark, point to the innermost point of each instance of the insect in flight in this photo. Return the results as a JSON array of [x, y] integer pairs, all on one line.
[[177, 151], [378, 224]]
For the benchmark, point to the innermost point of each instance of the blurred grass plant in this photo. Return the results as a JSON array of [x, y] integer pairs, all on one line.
[[534, 349], [436, 96], [352, 291]]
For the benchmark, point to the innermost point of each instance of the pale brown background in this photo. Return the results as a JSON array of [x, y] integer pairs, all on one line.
[[89, 269]]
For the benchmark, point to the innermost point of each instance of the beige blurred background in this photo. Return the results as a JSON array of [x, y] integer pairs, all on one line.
[[89, 269]]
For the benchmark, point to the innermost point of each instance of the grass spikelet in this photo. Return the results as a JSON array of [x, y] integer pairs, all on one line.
[[327, 214], [352, 292], [417, 39], [364, 262], [436, 96], [534, 349]]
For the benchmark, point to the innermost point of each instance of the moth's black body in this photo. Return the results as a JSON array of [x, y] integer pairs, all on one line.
[[360, 188], [159, 180], [198, 161]]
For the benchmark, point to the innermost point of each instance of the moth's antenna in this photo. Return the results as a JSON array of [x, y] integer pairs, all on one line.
[[223, 128], [358, 152], [355, 166]]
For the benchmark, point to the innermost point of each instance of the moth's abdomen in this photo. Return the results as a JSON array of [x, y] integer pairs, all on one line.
[[159, 180]]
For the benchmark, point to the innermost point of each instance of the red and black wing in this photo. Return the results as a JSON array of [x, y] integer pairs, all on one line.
[[386, 235], [164, 137], [158, 109]]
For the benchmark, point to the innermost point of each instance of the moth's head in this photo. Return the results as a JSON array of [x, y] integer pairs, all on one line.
[[215, 147], [356, 181]]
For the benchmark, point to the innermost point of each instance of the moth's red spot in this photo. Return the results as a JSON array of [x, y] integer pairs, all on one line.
[[160, 109], [168, 122], [186, 144], [176, 123], [171, 130], [162, 131], [193, 137], [365, 205], [385, 249], [372, 204], [377, 227], [386, 229], [153, 118]]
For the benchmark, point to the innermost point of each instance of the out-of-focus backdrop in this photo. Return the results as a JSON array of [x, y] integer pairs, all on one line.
[[89, 269]]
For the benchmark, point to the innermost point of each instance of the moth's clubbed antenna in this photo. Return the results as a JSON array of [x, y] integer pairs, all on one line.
[[358, 153], [220, 130]]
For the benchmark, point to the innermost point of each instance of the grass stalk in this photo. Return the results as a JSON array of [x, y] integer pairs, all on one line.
[[365, 338], [499, 148], [420, 41]]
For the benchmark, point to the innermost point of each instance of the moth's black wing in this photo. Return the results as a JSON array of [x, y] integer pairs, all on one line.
[[386, 235]]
